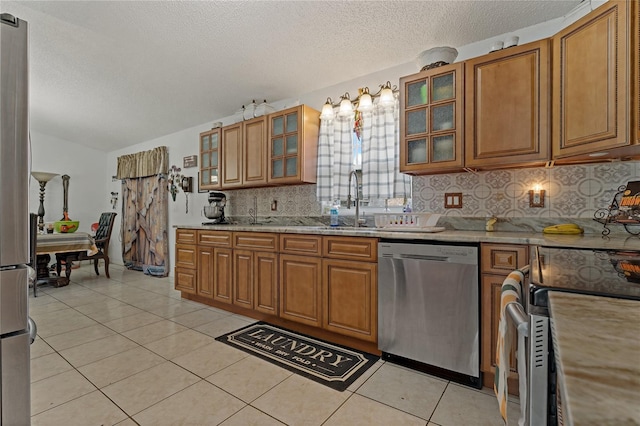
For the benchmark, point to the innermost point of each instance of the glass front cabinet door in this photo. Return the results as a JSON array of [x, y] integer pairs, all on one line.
[[431, 120], [210, 159], [293, 145]]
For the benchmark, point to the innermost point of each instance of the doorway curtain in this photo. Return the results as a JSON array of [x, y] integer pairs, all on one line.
[[144, 229]]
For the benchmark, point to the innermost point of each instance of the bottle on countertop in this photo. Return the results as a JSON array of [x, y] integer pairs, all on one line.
[[334, 215]]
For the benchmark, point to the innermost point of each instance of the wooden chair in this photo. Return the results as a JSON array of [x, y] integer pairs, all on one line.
[[102, 238]]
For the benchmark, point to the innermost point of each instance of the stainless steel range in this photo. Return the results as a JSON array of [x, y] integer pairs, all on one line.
[[609, 273]]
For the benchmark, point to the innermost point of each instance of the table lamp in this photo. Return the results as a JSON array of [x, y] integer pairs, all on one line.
[[42, 178]]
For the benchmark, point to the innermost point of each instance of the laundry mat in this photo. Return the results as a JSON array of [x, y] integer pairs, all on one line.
[[326, 363]]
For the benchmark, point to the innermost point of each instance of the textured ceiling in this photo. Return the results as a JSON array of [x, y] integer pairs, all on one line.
[[108, 74]]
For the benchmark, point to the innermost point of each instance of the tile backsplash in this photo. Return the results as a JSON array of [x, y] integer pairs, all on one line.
[[294, 200], [571, 191], [574, 191]]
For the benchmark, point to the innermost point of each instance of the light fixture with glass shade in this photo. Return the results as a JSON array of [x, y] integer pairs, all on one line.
[[42, 178], [327, 110], [363, 103], [386, 95], [346, 107]]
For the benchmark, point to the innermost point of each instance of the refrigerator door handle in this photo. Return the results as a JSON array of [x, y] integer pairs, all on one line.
[[33, 330]]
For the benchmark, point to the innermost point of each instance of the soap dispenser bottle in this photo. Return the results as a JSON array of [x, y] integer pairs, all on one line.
[[334, 213]]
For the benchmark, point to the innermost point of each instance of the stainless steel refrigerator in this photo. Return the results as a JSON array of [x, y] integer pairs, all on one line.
[[15, 391]]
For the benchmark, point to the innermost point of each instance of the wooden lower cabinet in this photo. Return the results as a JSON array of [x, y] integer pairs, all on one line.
[[243, 278], [497, 260], [265, 282], [185, 280], [255, 278], [350, 298], [214, 273], [491, 292], [222, 274], [185, 272], [323, 286], [301, 289], [206, 268]]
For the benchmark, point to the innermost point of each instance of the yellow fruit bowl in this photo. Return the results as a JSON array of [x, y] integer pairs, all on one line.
[[66, 226]]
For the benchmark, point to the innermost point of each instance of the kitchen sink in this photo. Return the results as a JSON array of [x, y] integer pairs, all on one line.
[[338, 228]]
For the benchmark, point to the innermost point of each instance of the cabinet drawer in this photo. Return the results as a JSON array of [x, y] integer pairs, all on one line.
[[214, 238], [351, 248], [255, 241], [503, 258], [185, 280], [186, 236], [310, 245], [186, 256]]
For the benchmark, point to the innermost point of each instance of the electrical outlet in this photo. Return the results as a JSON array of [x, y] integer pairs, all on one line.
[[274, 205], [453, 200]]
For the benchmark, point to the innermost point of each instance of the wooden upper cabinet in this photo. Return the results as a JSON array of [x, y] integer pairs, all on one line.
[[232, 156], [210, 159], [255, 152], [507, 98], [592, 82], [431, 120], [293, 145]]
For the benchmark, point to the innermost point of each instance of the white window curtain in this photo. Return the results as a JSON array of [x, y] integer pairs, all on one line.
[[381, 177], [335, 154]]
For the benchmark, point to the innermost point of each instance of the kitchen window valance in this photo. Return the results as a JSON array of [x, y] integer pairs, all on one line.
[[142, 164]]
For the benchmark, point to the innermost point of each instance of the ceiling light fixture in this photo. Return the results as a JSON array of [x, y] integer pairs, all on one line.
[[363, 103], [346, 108], [327, 110]]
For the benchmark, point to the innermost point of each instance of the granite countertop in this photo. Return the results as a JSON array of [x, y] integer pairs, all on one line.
[[595, 241], [598, 357]]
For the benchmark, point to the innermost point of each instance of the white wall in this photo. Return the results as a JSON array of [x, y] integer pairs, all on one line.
[[86, 167], [185, 142]]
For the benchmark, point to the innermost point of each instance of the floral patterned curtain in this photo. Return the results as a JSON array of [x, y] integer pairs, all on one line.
[[144, 231]]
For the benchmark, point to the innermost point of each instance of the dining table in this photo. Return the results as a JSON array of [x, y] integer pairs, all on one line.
[[59, 244]]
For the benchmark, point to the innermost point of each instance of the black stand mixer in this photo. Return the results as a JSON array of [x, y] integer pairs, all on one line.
[[215, 209]]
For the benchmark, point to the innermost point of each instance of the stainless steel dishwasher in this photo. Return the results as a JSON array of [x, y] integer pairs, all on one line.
[[428, 308]]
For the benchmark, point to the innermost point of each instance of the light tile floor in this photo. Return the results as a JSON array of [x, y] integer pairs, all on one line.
[[128, 350]]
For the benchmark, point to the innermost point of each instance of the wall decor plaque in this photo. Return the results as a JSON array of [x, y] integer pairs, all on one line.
[[190, 161]]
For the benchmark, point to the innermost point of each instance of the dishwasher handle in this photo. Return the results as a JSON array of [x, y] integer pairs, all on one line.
[[416, 257]]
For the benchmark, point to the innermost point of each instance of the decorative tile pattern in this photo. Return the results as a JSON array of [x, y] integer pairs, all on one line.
[[574, 191], [294, 200]]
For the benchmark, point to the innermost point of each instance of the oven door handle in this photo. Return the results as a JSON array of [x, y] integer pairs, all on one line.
[[519, 318]]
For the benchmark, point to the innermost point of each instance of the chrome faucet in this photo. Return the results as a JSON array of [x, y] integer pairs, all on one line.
[[351, 174], [253, 213]]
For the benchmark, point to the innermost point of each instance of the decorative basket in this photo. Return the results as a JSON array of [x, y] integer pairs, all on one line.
[[436, 57]]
